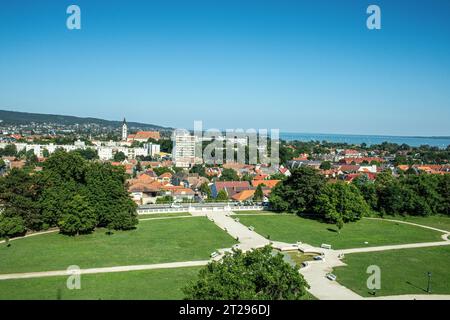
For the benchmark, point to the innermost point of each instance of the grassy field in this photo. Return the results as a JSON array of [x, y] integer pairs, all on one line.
[[402, 271], [163, 215], [291, 228], [439, 222], [154, 241], [142, 285]]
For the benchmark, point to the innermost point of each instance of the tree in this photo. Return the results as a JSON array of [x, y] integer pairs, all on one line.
[[45, 153], [254, 275], [11, 227], [138, 167], [160, 170], [341, 201], [339, 224], [278, 203], [119, 156], [10, 151], [166, 145], [105, 189], [325, 165], [368, 190], [443, 189], [259, 195], [19, 194], [31, 158], [66, 165], [205, 189], [199, 169], [87, 154], [164, 199], [78, 217], [222, 196], [298, 192], [278, 176], [229, 175]]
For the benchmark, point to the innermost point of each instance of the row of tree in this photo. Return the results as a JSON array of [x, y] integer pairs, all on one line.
[[70, 192], [423, 194], [308, 192]]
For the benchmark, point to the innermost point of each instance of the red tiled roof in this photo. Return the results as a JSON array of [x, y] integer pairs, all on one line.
[[268, 183]]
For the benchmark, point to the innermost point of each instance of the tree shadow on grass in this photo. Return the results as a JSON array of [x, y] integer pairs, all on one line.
[[416, 286], [332, 230]]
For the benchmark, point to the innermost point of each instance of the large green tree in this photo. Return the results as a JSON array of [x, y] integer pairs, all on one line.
[[255, 275], [229, 175], [78, 217], [258, 193], [299, 192], [222, 196], [341, 202], [11, 226], [19, 194]]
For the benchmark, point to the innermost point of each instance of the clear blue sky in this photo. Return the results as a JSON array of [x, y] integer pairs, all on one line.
[[300, 66]]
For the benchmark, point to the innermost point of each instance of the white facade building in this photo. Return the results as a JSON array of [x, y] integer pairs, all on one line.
[[105, 152], [183, 151]]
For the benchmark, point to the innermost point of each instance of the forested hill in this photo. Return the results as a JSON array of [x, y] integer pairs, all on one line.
[[13, 117]]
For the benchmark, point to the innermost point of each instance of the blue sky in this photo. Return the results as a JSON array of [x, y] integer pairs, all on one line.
[[300, 66]]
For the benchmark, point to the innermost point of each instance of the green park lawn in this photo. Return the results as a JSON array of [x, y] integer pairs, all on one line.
[[438, 221], [402, 271], [164, 215], [154, 241], [291, 228], [158, 284]]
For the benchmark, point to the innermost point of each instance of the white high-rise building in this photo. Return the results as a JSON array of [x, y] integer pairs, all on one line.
[[183, 151], [124, 130]]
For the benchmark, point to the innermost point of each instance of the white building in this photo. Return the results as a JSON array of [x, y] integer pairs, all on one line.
[[105, 153], [153, 149], [183, 152]]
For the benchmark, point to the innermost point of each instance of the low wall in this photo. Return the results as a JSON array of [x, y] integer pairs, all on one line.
[[198, 209]]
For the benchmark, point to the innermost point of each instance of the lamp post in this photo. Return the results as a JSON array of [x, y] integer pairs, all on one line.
[[429, 282]]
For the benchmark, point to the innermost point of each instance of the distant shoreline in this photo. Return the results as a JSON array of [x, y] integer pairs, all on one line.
[[363, 135], [441, 142]]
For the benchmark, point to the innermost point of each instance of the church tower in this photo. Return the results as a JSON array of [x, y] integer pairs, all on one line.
[[124, 130]]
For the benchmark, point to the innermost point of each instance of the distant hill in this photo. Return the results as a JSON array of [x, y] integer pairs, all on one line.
[[23, 118]]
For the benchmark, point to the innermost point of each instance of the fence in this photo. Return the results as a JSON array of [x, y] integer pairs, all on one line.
[[147, 210]]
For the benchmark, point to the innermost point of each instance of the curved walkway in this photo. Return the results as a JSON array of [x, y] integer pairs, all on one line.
[[27, 275], [411, 223], [32, 235], [325, 289]]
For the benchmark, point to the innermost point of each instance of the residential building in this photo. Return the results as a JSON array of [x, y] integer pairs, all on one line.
[[183, 152]]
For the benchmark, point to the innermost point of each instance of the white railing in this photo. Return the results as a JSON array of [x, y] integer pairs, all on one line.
[[248, 208], [199, 208], [161, 210]]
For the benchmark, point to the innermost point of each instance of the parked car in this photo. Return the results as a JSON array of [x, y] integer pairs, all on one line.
[[331, 277], [318, 258]]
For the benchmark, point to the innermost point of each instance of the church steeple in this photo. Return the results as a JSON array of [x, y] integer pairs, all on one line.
[[124, 130]]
